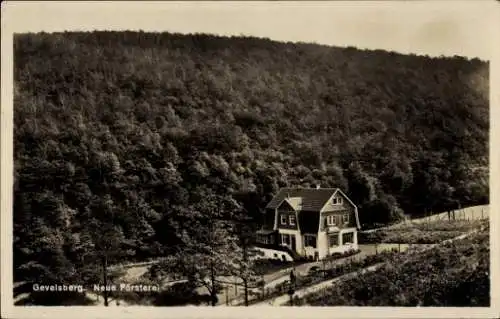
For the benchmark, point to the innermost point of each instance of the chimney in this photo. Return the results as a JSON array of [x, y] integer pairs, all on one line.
[[318, 186]]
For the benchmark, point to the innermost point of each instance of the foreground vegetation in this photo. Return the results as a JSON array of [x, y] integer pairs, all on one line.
[[454, 274], [329, 271], [128, 144]]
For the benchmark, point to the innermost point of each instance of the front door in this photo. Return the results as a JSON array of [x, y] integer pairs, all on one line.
[[293, 242]]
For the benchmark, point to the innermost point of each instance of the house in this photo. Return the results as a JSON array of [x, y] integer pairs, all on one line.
[[308, 222]]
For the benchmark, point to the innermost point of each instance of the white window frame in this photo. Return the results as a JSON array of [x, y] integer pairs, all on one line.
[[337, 201], [331, 220], [291, 220], [283, 241], [345, 219], [352, 236], [283, 220]]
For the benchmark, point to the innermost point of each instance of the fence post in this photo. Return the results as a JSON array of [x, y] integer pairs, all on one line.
[[482, 213], [227, 294]]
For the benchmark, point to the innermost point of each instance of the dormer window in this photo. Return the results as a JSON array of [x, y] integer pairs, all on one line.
[[291, 220], [337, 201], [283, 219]]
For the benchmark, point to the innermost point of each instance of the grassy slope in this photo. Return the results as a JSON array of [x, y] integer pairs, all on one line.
[[420, 233], [455, 274]]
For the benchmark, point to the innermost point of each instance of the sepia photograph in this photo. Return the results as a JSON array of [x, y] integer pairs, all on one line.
[[210, 156]]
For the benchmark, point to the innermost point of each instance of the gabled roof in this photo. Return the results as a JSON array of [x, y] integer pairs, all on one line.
[[312, 199], [295, 202], [287, 205]]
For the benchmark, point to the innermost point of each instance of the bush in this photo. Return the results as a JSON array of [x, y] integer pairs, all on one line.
[[179, 294]]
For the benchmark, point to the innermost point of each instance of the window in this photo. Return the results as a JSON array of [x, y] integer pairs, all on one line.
[[285, 239], [333, 239], [283, 219], [310, 241], [337, 201], [291, 220], [347, 238], [345, 219], [331, 220], [263, 239]]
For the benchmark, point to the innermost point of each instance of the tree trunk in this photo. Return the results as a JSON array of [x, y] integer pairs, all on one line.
[[105, 269], [245, 283], [213, 292], [245, 280], [226, 289]]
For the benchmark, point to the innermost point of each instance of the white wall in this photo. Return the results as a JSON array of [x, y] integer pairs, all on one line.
[[270, 254], [309, 251], [322, 245]]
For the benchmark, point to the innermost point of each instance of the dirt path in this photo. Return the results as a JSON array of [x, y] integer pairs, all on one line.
[[284, 276], [283, 299]]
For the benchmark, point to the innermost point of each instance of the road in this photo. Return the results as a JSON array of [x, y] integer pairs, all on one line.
[[284, 275], [283, 299]]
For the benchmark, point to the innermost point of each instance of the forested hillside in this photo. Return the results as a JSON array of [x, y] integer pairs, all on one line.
[[147, 131]]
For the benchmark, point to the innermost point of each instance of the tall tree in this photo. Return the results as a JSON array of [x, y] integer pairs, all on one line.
[[245, 255], [105, 244], [209, 248]]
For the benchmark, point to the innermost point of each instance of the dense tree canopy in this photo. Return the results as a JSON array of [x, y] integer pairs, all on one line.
[[135, 129]]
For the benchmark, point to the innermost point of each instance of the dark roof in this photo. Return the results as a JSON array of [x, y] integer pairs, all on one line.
[[269, 217], [313, 199]]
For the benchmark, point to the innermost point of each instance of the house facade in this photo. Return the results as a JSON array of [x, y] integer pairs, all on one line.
[[310, 222]]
